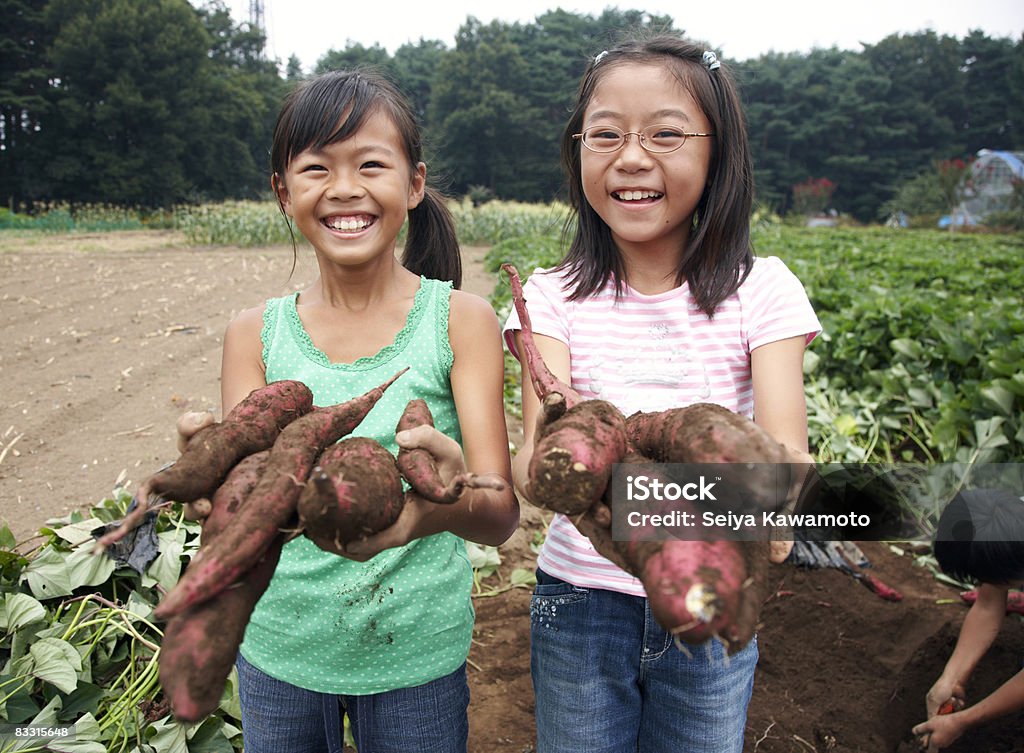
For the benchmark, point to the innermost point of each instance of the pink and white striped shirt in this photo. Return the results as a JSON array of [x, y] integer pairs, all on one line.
[[653, 352]]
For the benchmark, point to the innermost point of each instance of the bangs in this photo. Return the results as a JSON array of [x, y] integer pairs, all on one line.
[[325, 111]]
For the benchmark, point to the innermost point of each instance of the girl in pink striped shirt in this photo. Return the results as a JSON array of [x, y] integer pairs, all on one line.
[[658, 303]]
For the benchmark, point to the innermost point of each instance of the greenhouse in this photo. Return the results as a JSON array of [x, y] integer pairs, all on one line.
[[990, 187]]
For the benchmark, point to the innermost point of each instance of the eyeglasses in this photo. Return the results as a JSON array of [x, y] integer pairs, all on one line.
[[659, 139]]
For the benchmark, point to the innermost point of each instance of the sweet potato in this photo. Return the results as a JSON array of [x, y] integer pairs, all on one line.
[[199, 645], [355, 490], [705, 586], [580, 440], [231, 495], [702, 433], [705, 433], [573, 457], [693, 587], [252, 425], [271, 504], [1014, 600], [419, 470]]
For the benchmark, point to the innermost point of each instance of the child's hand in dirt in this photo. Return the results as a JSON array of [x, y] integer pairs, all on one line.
[[945, 696], [940, 731]]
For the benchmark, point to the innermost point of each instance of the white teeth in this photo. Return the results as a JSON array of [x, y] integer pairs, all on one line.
[[637, 195], [339, 224]]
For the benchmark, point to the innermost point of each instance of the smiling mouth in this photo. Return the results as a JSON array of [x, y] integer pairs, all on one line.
[[637, 195], [349, 224]]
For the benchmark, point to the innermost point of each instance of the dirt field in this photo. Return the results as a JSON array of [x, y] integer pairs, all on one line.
[[108, 338]]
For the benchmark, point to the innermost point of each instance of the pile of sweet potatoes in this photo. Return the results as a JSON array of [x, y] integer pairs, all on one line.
[[275, 468], [697, 589]]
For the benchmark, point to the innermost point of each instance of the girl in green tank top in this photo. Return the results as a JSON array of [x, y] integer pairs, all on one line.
[[395, 616]]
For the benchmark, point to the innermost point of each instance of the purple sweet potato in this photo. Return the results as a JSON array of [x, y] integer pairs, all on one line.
[[573, 457], [252, 425], [354, 491], [702, 433], [700, 588], [271, 504], [705, 433], [419, 470], [199, 645], [581, 440]]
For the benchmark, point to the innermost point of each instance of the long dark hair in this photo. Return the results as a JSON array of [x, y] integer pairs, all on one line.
[[718, 254], [330, 108]]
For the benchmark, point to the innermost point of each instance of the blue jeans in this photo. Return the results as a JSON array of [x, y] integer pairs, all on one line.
[[608, 679], [281, 718]]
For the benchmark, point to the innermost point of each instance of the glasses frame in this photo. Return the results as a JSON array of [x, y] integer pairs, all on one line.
[[640, 137]]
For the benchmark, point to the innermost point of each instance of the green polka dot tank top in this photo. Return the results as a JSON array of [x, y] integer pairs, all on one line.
[[405, 617]]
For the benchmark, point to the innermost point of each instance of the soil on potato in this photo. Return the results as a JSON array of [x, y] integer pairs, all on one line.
[[108, 338]]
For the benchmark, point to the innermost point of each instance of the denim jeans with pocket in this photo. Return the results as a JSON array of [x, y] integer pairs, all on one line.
[[608, 679], [278, 717]]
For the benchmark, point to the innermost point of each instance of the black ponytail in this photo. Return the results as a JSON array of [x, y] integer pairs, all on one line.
[[432, 245]]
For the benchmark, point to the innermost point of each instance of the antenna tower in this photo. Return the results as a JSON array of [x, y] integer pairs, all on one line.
[[257, 20]]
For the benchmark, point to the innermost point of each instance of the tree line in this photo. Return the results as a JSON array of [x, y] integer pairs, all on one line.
[[159, 102]]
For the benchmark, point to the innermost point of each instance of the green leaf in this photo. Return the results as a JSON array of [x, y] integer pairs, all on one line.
[[209, 738], [989, 434], [87, 738], [138, 607], [20, 706], [84, 700], [18, 610], [481, 557], [920, 397], [7, 540], [77, 746], [47, 575], [167, 736], [522, 576], [999, 398], [846, 425], [78, 533], [166, 568], [907, 348], [56, 662], [86, 568], [229, 701], [811, 361]]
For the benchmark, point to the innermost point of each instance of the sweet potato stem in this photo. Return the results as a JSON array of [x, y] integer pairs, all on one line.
[[544, 382]]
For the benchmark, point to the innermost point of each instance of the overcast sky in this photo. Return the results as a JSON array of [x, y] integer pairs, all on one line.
[[739, 29]]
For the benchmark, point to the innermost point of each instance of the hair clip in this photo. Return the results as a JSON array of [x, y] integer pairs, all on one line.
[[599, 56], [710, 60]]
